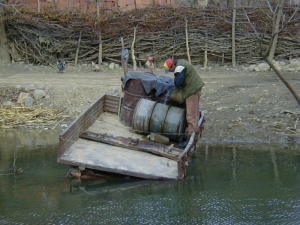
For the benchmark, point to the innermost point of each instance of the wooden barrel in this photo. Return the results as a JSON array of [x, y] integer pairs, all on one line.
[[133, 92], [151, 116]]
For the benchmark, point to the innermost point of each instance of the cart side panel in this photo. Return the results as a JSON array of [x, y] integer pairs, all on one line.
[[112, 104], [80, 124]]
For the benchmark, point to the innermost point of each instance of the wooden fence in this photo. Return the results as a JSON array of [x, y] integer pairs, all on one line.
[[46, 37]]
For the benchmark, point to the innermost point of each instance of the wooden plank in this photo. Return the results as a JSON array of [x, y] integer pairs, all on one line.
[[111, 107], [112, 98], [109, 158], [112, 104], [134, 144], [67, 139], [81, 123]]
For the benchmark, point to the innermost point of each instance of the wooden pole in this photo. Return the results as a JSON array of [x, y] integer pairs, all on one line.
[[187, 40], [132, 49], [78, 47], [205, 52], [100, 48], [223, 55], [124, 57]]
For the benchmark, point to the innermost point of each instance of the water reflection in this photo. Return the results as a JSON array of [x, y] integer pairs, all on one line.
[[238, 184]]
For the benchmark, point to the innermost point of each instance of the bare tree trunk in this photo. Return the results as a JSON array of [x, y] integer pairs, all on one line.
[[233, 35], [117, 5], [99, 34], [275, 30], [98, 8], [86, 6], [68, 5], [4, 50], [38, 6], [287, 84], [55, 5]]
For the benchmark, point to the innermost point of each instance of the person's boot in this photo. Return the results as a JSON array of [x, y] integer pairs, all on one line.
[[185, 140]]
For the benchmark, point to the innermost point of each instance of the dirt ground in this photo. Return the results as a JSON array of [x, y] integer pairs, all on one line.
[[239, 106]]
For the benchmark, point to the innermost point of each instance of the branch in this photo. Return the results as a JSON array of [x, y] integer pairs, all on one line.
[[294, 93]]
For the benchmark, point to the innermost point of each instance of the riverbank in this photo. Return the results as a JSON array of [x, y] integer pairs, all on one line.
[[240, 106]]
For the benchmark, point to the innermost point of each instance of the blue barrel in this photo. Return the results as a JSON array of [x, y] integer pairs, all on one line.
[[151, 116]]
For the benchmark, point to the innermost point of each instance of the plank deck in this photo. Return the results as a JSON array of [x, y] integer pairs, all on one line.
[[100, 156]]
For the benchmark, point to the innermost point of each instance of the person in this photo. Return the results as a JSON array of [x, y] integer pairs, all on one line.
[[188, 81]]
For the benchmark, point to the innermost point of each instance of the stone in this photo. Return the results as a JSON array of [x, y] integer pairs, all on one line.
[[291, 69], [251, 67], [21, 97], [29, 87], [39, 94], [28, 101], [263, 66], [282, 63], [158, 138], [111, 66], [7, 103], [294, 62]]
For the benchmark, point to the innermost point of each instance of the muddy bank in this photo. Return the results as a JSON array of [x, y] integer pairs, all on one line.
[[240, 106]]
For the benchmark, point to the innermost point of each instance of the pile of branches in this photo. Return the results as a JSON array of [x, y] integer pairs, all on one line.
[[49, 36]]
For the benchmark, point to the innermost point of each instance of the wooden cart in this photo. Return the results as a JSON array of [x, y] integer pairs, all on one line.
[[97, 140]]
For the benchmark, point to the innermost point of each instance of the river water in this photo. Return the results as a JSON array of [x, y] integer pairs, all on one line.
[[225, 184]]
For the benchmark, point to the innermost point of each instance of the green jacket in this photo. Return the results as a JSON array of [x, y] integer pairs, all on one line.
[[192, 82]]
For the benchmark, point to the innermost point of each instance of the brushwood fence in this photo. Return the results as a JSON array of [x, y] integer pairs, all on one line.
[[49, 36]]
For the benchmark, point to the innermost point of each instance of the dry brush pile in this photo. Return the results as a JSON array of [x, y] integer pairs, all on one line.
[[49, 36]]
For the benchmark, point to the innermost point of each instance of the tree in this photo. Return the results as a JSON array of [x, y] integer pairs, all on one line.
[[279, 24], [233, 35], [276, 18], [4, 49]]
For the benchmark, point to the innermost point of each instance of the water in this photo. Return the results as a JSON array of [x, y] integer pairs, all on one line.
[[241, 184]]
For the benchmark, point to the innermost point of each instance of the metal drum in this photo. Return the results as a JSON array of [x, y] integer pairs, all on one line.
[[150, 116], [158, 117], [133, 92], [142, 115]]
